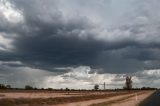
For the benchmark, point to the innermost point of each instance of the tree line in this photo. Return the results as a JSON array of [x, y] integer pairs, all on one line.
[[96, 87]]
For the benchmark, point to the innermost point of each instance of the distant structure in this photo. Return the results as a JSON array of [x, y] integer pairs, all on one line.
[[128, 83]]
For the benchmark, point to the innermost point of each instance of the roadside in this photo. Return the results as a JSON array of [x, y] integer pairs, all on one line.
[[41, 101], [152, 100], [99, 101], [90, 102], [86, 99], [129, 100]]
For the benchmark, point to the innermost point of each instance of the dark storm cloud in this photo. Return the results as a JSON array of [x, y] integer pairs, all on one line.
[[53, 34]]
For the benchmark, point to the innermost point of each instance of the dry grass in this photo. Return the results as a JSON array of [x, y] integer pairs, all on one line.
[[54, 101], [112, 101], [116, 101]]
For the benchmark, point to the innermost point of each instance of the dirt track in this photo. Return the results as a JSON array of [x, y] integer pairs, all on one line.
[[90, 102], [132, 101]]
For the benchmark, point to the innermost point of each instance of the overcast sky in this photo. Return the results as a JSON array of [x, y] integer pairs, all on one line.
[[57, 43]]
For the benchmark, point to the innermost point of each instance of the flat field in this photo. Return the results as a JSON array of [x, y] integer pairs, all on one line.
[[70, 98]]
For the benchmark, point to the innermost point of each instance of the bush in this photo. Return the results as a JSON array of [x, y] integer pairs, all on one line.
[[28, 87]]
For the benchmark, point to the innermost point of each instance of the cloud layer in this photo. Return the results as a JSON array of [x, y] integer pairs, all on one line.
[[111, 37]]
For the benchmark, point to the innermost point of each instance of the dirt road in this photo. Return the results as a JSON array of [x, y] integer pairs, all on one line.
[[90, 102], [132, 101]]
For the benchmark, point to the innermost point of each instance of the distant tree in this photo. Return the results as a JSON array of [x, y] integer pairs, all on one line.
[[128, 83], [35, 88], [42, 89], [28, 87], [67, 89], [96, 87], [2, 86], [148, 88], [8, 86], [50, 89]]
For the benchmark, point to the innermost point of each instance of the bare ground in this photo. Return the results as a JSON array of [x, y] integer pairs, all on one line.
[[133, 101], [90, 102], [42, 94], [126, 100], [62, 98]]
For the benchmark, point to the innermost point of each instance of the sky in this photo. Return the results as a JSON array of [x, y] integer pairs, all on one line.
[[79, 43]]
